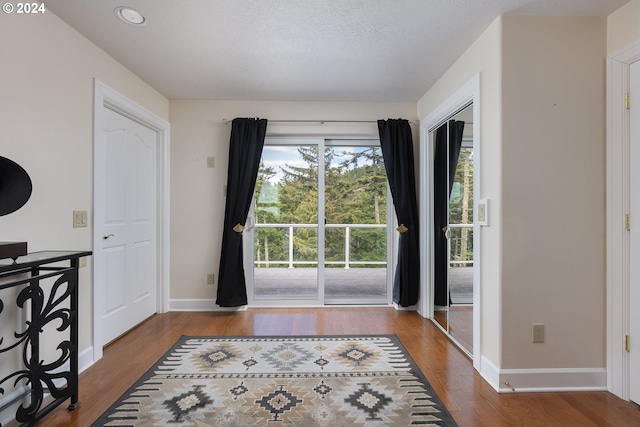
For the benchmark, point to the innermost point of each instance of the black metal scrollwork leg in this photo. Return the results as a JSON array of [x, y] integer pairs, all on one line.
[[44, 377], [73, 335]]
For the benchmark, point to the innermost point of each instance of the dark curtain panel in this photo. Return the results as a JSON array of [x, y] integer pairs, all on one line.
[[397, 151], [456, 129], [245, 151], [441, 193]]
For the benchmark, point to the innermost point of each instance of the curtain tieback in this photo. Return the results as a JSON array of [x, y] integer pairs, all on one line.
[[238, 228], [402, 229]]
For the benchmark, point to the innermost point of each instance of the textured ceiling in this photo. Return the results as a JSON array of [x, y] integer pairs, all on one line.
[[315, 50]]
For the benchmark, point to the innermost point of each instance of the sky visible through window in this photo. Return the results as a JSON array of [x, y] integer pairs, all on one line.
[[278, 156]]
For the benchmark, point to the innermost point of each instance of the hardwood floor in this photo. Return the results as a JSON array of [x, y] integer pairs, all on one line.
[[471, 401]]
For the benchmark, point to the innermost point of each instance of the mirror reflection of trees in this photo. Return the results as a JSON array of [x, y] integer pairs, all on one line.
[[461, 209], [355, 193]]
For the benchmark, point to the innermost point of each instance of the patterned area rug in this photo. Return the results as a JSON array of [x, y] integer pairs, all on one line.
[[296, 381]]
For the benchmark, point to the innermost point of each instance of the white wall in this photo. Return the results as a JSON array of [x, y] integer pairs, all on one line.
[[197, 199], [542, 164], [553, 189], [46, 95], [483, 57], [623, 27], [46, 125]]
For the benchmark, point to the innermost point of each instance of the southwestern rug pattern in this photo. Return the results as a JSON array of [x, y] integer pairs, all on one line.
[[272, 381]]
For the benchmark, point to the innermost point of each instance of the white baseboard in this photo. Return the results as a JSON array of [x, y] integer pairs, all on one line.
[[200, 305], [543, 380], [85, 359], [410, 308], [210, 305], [490, 373], [9, 404]]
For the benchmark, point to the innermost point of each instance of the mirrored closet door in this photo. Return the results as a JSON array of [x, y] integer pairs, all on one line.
[[453, 175]]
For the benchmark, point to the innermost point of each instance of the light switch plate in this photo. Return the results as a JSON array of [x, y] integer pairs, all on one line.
[[79, 219], [483, 212]]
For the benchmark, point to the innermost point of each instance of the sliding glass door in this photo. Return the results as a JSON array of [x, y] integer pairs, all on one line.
[[356, 224], [285, 237], [318, 230]]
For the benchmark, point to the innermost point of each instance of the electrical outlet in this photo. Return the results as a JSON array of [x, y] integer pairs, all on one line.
[[211, 279], [211, 162], [82, 262], [538, 332]]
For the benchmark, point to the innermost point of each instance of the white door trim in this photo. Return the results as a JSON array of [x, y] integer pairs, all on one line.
[[467, 94], [104, 96], [618, 199]]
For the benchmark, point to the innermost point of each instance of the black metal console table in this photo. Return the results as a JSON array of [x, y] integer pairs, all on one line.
[[60, 306]]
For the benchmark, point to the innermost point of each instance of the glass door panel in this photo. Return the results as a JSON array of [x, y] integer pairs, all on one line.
[[285, 243], [355, 243]]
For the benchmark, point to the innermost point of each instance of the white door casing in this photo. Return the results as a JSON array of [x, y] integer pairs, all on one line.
[[634, 246], [131, 209], [466, 95], [618, 206]]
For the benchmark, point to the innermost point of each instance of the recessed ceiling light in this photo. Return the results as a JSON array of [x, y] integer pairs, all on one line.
[[130, 16]]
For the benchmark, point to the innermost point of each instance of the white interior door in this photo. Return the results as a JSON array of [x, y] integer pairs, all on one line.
[[634, 297], [125, 221]]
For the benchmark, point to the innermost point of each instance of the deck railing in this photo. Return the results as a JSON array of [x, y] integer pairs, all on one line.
[[347, 244], [454, 259], [457, 259]]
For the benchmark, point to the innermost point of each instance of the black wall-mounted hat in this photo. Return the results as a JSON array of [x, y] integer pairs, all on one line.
[[15, 186]]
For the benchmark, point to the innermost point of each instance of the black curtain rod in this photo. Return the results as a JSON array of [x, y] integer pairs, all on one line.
[[227, 121]]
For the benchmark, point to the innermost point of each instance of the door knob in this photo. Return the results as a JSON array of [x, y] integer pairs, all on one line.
[[107, 236]]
